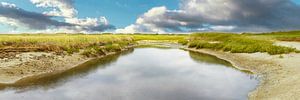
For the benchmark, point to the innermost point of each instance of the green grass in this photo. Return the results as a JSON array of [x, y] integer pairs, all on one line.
[[236, 43], [279, 36], [92, 44], [99, 44], [159, 37], [64, 42]]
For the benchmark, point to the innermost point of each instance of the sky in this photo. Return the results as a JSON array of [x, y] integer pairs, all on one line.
[[155, 16]]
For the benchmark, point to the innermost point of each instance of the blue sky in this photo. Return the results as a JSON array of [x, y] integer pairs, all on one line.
[[296, 1], [149, 15], [119, 12]]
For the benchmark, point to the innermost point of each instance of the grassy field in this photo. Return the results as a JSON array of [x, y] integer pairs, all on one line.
[[92, 45], [281, 36], [95, 44], [64, 43], [242, 43], [160, 37]]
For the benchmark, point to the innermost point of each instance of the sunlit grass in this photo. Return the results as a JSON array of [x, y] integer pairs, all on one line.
[[94, 44], [279, 36], [62, 42], [237, 43]]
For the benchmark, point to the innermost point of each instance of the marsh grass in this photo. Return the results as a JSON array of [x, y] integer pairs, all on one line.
[[279, 36], [99, 44], [90, 45], [65, 42], [171, 37], [236, 43]]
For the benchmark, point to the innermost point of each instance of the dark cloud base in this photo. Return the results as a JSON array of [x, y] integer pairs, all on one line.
[[39, 21], [222, 15]]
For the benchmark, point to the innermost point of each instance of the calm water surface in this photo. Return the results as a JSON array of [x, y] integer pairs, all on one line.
[[142, 74]]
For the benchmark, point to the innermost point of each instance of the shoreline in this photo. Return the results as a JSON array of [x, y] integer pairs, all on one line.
[[41, 64], [275, 73], [220, 56], [278, 73]]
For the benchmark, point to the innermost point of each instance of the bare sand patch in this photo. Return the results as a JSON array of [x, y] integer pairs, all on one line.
[[20, 66], [288, 44], [33, 63]]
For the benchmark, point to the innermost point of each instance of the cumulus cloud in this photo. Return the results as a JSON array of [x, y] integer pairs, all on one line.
[[58, 7], [16, 17], [220, 15], [65, 9], [91, 24]]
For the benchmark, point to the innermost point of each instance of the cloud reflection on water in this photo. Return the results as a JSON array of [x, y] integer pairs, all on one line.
[[149, 74]]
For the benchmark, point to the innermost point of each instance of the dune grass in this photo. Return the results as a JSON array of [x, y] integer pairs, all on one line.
[[236, 43]]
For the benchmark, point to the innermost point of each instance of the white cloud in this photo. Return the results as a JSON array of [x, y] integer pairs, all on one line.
[[17, 17], [65, 8], [88, 21], [129, 29], [20, 18], [220, 15], [222, 28], [154, 15], [5, 4], [62, 8], [9, 21]]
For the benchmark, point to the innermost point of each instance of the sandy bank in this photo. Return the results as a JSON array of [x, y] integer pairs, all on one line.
[[28, 64], [289, 44], [280, 74]]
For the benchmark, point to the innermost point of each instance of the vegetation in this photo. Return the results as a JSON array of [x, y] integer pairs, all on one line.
[[90, 45], [236, 43], [64, 43], [159, 37], [280, 36], [99, 44]]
